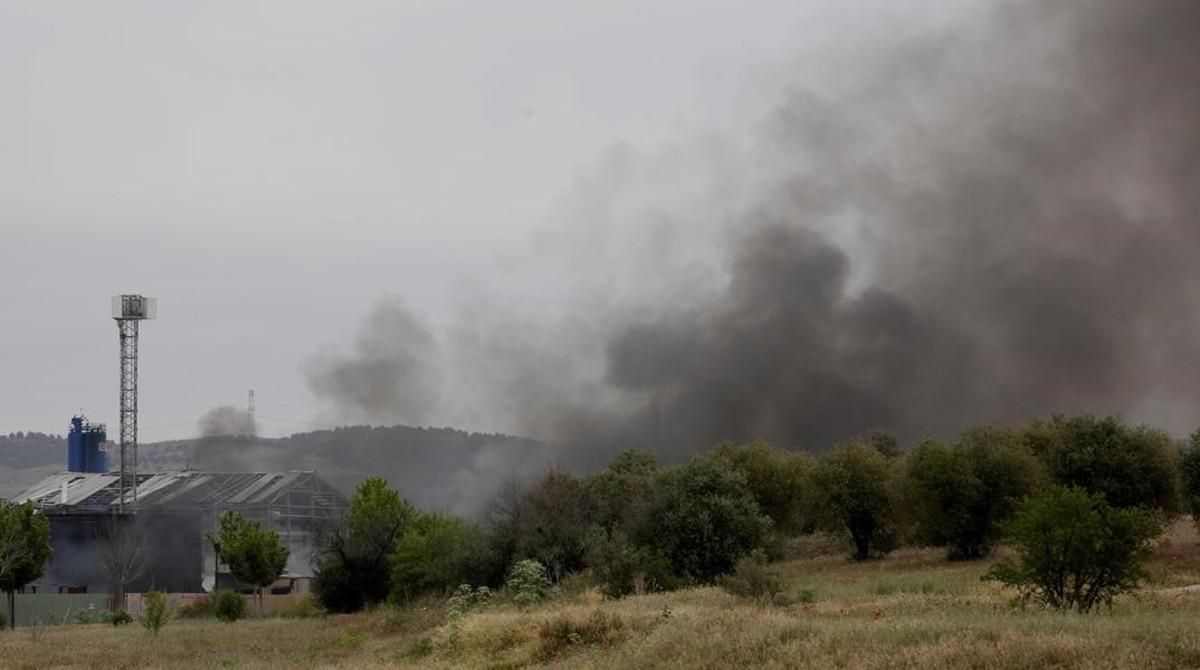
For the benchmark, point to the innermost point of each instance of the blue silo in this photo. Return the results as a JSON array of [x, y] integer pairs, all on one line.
[[85, 442]]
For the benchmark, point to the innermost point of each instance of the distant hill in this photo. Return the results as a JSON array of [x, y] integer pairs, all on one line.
[[27, 457], [439, 468], [29, 450]]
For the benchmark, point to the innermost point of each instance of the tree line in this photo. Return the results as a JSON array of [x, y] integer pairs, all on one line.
[[1076, 496], [31, 435], [640, 526]]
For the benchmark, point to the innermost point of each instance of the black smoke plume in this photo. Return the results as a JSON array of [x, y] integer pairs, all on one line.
[[992, 223]]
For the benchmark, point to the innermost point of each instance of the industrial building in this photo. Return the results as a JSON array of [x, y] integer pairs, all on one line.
[[168, 515], [175, 511]]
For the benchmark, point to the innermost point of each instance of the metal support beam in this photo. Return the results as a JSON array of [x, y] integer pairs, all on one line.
[[128, 329]]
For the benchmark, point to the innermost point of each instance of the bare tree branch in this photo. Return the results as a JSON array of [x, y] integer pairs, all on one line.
[[121, 548]]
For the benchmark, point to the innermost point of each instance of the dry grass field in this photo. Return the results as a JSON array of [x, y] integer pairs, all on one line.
[[912, 610]]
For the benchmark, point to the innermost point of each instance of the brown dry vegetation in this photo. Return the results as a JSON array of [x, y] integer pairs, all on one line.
[[912, 610]]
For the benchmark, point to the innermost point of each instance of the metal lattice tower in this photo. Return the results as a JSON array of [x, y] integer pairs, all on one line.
[[129, 310]]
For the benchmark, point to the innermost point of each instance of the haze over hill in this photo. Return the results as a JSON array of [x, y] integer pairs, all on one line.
[[436, 468], [26, 457]]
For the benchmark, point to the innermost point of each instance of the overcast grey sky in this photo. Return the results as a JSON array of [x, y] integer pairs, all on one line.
[[269, 170]]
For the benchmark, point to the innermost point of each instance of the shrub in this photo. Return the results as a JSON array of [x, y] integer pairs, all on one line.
[[200, 608], [1130, 467], [623, 569], [1075, 550], [90, 615], [305, 608], [528, 583], [960, 494], [338, 585], [437, 553], [466, 599], [703, 519], [560, 634], [154, 616], [755, 579], [854, 484], [229, 606], [120, 618]]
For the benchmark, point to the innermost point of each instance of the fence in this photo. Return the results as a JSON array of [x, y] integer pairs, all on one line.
[[60, 608], [272, 604], [54, 608]]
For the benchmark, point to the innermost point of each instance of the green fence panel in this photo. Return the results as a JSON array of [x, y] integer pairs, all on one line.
[[55, 608]]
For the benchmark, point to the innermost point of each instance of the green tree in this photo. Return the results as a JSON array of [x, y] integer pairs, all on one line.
[[621, 493], [779, 480], [252, 551], [703, 519], [437, 554], [1076, 550], [883, 442], [503, 519], [855, 491], [554, 524], [1130, 467], [354, 564], [1189, 475], [960, 494], [24, 549]]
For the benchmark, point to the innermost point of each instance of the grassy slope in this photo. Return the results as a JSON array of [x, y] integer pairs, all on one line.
[[912, 610]]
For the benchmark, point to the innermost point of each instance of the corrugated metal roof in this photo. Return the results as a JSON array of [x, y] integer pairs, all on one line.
[[51, 484], [180, 489], [278, 486], [83, 488], [145, 488], [253, 488]]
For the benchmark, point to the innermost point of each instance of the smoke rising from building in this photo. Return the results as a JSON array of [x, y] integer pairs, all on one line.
[[225, 421], [226, 441], [986, 225]]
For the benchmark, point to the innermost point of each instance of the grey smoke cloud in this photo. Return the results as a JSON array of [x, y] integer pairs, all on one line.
[[227, 421], [991, 223], [389, 377], [226, 442]]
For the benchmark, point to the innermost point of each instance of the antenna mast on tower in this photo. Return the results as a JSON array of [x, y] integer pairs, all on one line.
[[128, 310]]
